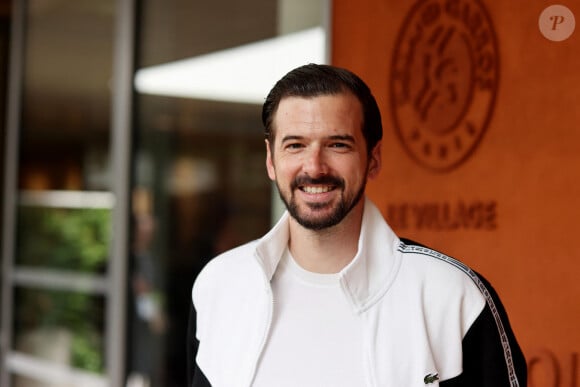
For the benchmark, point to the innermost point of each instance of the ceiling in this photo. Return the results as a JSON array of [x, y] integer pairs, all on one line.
[[69, 45]]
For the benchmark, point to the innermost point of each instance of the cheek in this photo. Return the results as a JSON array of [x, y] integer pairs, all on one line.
[[359, 172], [283, 175], [278, 171], [286, 167]]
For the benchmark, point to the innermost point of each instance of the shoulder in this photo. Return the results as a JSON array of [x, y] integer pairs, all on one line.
[[444, 279], [230, 259], [227, 268], [457, 297], [228, 263], [418, 255]]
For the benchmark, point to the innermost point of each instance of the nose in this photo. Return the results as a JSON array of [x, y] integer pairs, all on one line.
[[315, 162]]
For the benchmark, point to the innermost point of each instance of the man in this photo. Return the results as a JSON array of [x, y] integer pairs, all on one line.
[[331, 296]]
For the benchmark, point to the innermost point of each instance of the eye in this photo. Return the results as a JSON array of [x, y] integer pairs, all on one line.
[[293, 146], [340, 146]]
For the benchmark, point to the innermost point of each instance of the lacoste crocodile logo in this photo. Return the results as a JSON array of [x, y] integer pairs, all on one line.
[[431, 378]]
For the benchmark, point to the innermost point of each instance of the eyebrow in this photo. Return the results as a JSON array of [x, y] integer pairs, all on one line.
[[291, 138], [344, 137], [339, 137]]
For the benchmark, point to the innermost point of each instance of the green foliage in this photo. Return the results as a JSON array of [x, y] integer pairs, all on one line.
[[81, 314], [87, 351], [70, 239]]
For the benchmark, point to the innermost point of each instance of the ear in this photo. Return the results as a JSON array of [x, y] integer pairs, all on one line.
[[375, 162], [270, 162]]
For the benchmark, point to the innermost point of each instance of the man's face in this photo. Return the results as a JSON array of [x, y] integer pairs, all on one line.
[[319, 158]]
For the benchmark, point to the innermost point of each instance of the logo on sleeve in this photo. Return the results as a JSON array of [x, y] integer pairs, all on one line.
[[431, 378]]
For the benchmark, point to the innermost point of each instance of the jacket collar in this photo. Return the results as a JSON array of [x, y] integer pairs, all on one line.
[[367, 277]]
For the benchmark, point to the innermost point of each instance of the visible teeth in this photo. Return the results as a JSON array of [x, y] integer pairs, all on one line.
[[316, 190]]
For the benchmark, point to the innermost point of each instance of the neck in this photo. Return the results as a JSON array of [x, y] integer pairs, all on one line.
[[328, 250]]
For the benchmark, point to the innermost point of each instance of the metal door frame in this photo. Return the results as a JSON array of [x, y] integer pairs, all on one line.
[[113, 285]]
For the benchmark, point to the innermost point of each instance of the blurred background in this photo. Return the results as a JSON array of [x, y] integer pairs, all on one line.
[[131, 153]]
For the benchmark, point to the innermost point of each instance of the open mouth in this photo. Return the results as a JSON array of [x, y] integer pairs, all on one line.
[[317, 186], [318, 189]]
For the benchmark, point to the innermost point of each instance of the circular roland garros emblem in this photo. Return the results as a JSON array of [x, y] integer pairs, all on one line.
[[444, 81]]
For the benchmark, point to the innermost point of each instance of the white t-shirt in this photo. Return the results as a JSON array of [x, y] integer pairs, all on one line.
[[315, 338]]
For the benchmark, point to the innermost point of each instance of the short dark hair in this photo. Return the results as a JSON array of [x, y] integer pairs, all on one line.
[[314, 80]]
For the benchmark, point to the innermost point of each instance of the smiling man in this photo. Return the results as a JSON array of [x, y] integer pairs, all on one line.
[[331, 296]]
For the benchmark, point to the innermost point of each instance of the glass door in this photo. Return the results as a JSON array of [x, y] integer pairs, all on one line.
[[65, 193]]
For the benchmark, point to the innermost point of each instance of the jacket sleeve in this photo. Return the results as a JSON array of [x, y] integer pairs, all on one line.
[[195, 377], [491, 354]]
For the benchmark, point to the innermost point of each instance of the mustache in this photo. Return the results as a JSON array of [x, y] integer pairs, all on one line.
[[323, 180]]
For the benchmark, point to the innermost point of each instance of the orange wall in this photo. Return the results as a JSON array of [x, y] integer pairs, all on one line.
[[489, 172]]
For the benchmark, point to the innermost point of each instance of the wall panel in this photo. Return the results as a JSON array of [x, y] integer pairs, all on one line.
[[480, 151]]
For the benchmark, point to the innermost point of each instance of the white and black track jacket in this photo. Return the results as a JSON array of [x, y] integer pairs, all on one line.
[[429, 319]]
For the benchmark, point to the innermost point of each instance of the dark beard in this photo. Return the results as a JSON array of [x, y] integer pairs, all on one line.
[[339, 213]]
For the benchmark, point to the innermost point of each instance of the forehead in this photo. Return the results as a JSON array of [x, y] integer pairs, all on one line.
[[338, 112]]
